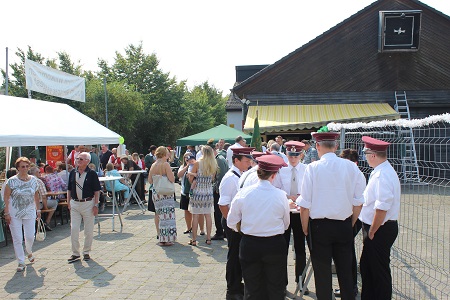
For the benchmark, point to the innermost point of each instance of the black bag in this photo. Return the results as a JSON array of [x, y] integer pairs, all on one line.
[[187, 185]]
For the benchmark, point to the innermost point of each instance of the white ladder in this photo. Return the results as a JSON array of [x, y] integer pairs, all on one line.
[[410, 167]]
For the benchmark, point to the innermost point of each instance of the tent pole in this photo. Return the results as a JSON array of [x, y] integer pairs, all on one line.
[[106, 101], [6, 79]]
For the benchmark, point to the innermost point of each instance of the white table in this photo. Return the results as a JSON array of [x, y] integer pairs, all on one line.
[[133, 189], [115, 206]]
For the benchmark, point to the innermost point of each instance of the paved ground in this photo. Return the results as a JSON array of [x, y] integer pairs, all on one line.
[[126, 264]]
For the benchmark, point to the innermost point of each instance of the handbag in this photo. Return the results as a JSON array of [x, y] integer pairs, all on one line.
[[162, 185], [40, 233]]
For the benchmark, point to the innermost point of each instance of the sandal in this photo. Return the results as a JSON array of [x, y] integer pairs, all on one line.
[[208, 242], [193, 243], [20, 268], [202, 233], [31, 258], [187, 231]]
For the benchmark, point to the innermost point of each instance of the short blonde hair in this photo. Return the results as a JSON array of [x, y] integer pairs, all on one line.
[[161, 152]]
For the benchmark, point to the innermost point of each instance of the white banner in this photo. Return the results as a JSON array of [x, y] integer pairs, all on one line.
[[46, 80]]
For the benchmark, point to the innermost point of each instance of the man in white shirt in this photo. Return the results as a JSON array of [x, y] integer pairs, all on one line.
[[290, 180], [228, 188], [379, 217], [330, 202], [263, 214], [239, 142]]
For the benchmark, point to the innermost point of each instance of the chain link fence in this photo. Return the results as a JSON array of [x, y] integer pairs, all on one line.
[[420, 152]]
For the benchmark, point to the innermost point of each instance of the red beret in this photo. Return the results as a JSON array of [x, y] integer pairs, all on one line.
[[325, 136], [270, 163], [294, 148], [242, 150], [256, 154], [374, 144]]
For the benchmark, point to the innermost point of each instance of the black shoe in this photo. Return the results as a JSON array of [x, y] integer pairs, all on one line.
[[217, 237], [47, 228], [202, 233], [234, 297], [73, 258], [306, 292], [86, 257], [337, 293]]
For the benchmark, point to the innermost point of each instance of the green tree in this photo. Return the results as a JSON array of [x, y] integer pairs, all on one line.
[[124, 109], [163, 117], [206, 108]]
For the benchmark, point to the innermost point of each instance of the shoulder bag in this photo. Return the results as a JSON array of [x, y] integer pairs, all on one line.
[[40, 233], [162, 185]]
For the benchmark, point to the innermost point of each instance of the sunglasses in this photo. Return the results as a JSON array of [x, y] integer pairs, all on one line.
[[24, 167], [80, 159]]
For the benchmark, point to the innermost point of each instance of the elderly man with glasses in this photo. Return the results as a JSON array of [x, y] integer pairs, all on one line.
[[83, 194]]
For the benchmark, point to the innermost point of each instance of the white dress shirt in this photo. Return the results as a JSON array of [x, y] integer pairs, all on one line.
[[230, 154], [283, 179], [249, 178], [382, 192], [229, 186], [331, 187], [262, 210]]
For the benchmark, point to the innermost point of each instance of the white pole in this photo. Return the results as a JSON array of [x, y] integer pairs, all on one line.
[[6, 79]]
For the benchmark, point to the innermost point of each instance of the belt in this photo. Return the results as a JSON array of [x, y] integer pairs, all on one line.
[[83, 200]]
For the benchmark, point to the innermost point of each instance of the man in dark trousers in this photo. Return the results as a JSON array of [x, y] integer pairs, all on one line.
[[330, 202], [379, 221], [83, 194], [290, 180], [228, 188]]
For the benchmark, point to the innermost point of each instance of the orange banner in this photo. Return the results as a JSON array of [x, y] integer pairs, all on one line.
[[54, 154]]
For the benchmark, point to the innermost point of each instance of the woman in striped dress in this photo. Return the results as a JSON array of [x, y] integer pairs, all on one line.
[[202, 199], [164, 204]]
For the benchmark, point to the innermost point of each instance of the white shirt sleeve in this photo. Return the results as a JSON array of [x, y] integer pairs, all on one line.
[[235, 214], [227, 190]]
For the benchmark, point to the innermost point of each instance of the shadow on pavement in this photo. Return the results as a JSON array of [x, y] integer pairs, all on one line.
[[96, 273], [30, 281]]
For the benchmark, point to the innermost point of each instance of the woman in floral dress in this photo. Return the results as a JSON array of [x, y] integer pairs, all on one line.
[[164, 204], [202, 199]]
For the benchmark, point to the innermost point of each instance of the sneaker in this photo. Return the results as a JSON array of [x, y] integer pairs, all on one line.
[[73, 258], [217, 237], [86, 257]]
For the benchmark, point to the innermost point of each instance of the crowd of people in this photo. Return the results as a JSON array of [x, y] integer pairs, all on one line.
[[257, 200]]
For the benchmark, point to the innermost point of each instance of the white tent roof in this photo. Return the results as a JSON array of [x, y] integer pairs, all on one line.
[[29, 122]]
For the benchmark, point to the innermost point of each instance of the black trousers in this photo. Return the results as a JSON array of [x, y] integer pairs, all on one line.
[[264, 266], [233, 269], [299, 244], [375, 261], [356, 229], [217, 214], [332, 239]]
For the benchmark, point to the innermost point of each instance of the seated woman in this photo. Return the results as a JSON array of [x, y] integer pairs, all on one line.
[[53, 182], [118, 185]]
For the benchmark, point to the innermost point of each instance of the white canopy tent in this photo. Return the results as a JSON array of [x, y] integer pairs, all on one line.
[[29, 122]]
